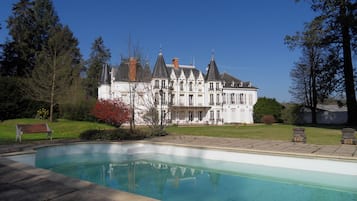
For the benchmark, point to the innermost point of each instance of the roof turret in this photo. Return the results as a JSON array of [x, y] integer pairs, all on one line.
[[213, 73], [160, 69]]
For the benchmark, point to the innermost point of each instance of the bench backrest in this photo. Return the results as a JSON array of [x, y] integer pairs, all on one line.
[[33, 128]]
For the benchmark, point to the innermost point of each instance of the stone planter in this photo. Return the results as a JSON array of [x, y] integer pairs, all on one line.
[[299, 135], [348, 136]]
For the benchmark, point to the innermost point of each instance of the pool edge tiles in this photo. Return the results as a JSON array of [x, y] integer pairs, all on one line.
[[296, 162]]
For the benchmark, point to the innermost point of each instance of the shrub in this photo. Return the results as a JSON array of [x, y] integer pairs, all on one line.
[[42, 113], [112, 112], [268, 119], [267, 106], [113, 134]]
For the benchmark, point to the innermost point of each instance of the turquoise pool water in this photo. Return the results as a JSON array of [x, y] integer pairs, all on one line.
[[173, 178]]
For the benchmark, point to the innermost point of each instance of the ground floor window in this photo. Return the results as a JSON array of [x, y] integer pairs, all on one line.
[[211, 115], [190, 116], [200, 115]]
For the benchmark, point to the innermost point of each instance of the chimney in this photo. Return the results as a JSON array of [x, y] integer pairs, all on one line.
[[175, 62], [132, 69]]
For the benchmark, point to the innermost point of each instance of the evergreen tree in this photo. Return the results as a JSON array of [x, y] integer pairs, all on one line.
[[99, 56], [57, 68], [29, 27]]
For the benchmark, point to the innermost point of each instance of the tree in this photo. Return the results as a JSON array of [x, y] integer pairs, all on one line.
[[339, 24], [57, 67], [29, 27], [99, 56], [267, 106], [314, 75], [112, 112]]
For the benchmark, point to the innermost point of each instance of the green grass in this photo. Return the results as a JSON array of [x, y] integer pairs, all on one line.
[[62, 129], [66, 129], [315, 135]]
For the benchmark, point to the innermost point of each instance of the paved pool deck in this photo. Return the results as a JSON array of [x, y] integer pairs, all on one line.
[[23, 182]]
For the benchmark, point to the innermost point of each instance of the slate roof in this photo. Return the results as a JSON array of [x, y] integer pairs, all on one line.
[[186, 71], [160, 69], [213, 73], [231, 82], [122, 72], [105, 76]]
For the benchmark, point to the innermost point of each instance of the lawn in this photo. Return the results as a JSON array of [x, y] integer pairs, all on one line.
[[62, 129], [315, 135], [66, 129]]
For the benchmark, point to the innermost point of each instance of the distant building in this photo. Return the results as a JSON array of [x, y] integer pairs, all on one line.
[[327, 114], [182, 94]]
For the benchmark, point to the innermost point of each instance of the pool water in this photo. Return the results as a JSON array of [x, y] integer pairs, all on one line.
[[183, 178]]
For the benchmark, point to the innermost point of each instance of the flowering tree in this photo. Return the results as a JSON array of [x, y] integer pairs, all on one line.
[[112, 112]]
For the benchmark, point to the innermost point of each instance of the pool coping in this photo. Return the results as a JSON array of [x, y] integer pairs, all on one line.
[[84, 190]]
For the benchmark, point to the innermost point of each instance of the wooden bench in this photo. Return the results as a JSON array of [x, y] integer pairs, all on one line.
[[32, 128]]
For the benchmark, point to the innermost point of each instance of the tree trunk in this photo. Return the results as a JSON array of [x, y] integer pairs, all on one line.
[[348, 68], [52, 103]]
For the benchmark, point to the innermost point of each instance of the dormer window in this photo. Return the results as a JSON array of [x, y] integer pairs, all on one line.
[[163, 84], [181, 85], [232, 85], [191, 86]]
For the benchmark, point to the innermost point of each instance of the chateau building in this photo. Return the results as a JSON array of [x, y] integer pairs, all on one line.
[[181, 94]]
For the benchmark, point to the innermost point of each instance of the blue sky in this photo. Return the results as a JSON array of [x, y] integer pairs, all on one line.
[[247, 36]]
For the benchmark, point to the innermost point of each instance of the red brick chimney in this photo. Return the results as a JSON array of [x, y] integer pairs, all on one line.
[[132, 69], [175, 62]]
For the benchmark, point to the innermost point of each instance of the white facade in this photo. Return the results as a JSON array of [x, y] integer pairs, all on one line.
[[184, 95]]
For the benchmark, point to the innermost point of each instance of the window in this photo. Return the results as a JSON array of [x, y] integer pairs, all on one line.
[[163, 99], [200, 115], [224, 98], [217, 86], [190, 116], [190, 99], [211, 86], [191, 86], [163, 83], [156, 100], [181, 85], [241, 98], [217, 99], [250, 99], [211, 115], [218, 114], [199, 86], [156, 86], [211, 99], [182, 99], [233, 101], [172, 101]]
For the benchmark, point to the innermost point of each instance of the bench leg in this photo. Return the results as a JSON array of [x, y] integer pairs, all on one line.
[[18, 137]]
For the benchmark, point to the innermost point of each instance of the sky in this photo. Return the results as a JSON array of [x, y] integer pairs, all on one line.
[[245, 37]]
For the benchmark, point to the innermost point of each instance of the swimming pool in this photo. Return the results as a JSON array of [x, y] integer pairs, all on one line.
[[168, 172]]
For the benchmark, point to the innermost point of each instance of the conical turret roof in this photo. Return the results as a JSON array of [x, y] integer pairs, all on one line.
[[213, 73], [160, 69]]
